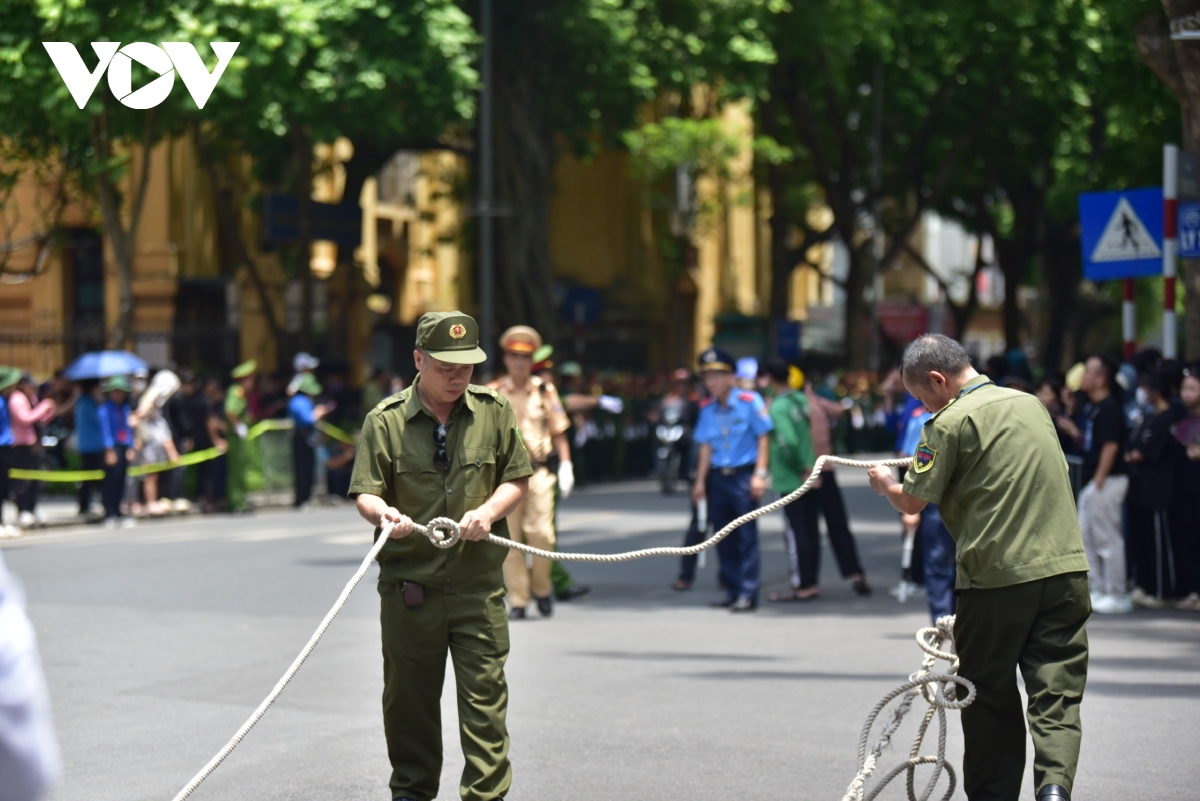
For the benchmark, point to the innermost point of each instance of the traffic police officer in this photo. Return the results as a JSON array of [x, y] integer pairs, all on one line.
[[543, 423], [443, 448], [237, 412], [989, 458], [731, 472]]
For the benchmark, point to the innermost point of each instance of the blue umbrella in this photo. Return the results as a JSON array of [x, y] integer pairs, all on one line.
[[103, 364]]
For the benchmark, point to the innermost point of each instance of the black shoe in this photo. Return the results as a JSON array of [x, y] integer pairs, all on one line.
[[545, 606], [861, 586], [744, 605], [723, 603], [516, 613], [572, 592], [1053, 792]]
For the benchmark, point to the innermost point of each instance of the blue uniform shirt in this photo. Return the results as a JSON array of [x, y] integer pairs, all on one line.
[[732, 430], [6, 437], [87, 425], [300, 409]]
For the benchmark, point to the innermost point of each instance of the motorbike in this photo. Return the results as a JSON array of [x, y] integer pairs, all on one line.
[[670, 433]]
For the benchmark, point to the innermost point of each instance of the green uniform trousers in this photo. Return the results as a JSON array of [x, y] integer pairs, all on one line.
[[1040, 627], [235, 476], [473, 627]]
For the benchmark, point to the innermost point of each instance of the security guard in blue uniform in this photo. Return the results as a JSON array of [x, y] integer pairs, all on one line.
[[731, 473]]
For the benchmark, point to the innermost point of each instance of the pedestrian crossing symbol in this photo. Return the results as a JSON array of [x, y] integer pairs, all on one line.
[[1120, 233], [1125, 237]]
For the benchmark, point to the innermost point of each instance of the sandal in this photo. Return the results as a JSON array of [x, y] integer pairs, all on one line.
[[790, 597]]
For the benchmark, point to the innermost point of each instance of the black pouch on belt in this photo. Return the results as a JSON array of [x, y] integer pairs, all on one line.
[[414, 594]]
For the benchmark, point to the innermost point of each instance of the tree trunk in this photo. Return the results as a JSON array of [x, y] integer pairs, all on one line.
[[303, 154], [121, 239], [525, 156], [231, 229], [1177, 64], [857, 323]]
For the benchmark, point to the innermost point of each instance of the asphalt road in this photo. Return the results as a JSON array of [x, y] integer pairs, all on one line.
[[159, 641]]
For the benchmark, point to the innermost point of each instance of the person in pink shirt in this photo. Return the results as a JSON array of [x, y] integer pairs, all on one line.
[[25, 412]]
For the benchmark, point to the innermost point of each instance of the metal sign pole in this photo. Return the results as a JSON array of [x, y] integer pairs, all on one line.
[[486, 215], [1170, 246]]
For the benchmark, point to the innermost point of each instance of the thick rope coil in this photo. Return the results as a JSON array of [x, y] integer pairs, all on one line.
[[444, 533], [940, 691]]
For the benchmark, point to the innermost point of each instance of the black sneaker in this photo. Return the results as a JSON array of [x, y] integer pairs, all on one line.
[[1053, 792], [545, 606], [516, 613], [572, 592]]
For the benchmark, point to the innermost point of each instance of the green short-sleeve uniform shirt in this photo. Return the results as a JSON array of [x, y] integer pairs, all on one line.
[[395, 461], [991, 462]]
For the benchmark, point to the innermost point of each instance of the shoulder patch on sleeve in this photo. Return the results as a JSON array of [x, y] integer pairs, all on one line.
[[923, 459], [481, 390], [748, 397]]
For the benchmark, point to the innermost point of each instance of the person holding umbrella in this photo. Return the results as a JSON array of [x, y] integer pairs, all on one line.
[[118, 445]]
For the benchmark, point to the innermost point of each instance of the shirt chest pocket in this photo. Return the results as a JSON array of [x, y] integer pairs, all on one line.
[[417, 480], [478, 472]]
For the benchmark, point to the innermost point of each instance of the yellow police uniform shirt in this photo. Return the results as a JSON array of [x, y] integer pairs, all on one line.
[[539, 412], [991, 462], [395, 460]]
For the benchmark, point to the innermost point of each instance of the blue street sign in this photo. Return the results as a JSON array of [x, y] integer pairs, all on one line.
[[1189, 230], [1121, 233]]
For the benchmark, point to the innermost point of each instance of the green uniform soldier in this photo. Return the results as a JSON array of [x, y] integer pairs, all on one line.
[[237, 413], [443, 448], [990, 460]]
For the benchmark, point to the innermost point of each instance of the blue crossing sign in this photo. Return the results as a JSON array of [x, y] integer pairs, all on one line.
[[1121, 233]]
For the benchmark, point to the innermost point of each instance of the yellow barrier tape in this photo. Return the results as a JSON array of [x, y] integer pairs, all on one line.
[[196, 457], [56, 475], [336, 433], [263, 426], [256, 431]]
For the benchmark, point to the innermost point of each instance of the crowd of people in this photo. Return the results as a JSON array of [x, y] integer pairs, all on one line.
[[1130, 431]]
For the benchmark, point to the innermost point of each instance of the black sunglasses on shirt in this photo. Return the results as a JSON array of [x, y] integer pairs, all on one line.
[[441, 459]]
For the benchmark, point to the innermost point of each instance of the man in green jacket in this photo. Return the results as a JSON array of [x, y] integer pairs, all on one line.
[[792, 460], [989, 459]]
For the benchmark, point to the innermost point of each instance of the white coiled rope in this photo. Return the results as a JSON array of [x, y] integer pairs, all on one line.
[[940, 690], [444, 533]]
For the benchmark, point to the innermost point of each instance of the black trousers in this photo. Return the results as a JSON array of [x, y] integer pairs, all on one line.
[[802, 517], [90, 489], [5, 463], [113, 489], [302, 465], [25, 492], [687, 564]]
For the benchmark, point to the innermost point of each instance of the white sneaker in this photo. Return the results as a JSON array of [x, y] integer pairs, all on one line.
[[128, 522], [182, 504], [1095, 596], [111, 522], [1190, 603], [10, 532], [1144, 600], [26, 520], [1113, 605]]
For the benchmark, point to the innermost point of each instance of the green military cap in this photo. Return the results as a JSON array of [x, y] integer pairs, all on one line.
[[245, 369], [309, 385], [450, 337], [9, 376], [117, 382], [543, 353], [570, 369]]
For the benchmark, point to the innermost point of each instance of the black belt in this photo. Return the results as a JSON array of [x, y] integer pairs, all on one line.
[[734, 471]]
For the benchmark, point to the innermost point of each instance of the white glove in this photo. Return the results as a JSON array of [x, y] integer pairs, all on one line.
[[566, 479], [612, 405]]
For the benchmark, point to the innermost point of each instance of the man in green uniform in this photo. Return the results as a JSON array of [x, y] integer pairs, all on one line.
[[237, 413], [443, 448], [990, 460]]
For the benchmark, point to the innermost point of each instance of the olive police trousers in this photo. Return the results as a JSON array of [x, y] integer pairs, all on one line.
[[473, 628], [1039, 627]]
